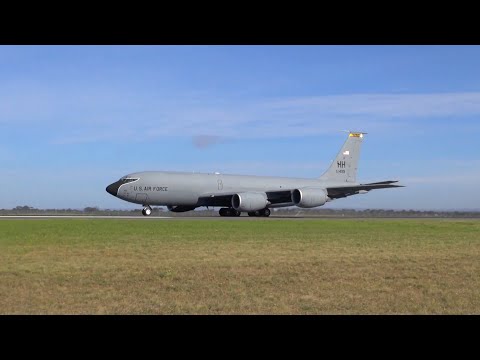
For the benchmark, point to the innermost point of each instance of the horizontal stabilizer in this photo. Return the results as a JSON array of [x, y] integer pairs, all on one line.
[[344, 191], [382, 182]]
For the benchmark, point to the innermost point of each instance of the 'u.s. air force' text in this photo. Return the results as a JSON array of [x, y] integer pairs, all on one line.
[[150, 188]]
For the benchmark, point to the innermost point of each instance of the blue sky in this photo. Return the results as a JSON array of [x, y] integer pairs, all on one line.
[[75, 118]]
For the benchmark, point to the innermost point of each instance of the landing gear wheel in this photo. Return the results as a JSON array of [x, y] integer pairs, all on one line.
[[264, 212], [147, 211], [229, 212]]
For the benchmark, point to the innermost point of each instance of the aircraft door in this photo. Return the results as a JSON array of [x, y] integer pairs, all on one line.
[[125, 191], [142, 198], [220, 184]]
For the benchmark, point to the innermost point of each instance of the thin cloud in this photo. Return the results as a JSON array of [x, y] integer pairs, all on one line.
[[204, 141], [314, 115], [385, 105], [84, 139], [453, 179], [151, 116]]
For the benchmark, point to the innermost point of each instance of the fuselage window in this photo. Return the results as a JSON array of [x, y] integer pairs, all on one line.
[[126, 181]]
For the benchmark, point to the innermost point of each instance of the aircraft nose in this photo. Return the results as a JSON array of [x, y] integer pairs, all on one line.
[[113, 188]]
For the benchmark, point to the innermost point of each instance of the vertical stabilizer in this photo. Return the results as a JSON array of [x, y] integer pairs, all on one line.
[[344, 167]]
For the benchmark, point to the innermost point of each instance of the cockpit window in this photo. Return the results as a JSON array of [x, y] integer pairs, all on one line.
[[127, 180]]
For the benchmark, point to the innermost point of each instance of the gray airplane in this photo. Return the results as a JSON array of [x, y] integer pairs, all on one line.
[[181, 191]]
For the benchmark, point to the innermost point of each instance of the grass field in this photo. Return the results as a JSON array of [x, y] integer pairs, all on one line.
[[86, 266]]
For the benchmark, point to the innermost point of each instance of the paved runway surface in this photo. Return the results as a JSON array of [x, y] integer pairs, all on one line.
[[222, 218], [240, 218], [78, 217], [47, 217]]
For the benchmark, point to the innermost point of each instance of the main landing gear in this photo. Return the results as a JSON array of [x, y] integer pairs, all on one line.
[[147, 210], [232, 212], [264, 212], [229, 212]]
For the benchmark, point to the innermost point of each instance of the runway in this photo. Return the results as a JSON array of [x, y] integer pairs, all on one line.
[[5, 217], [146, 218], [219, 218], [140, 218]]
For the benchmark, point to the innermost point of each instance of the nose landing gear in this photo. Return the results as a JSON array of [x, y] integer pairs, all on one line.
[[147, 210]]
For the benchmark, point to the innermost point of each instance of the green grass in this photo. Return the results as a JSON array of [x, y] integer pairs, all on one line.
[[97, 266]]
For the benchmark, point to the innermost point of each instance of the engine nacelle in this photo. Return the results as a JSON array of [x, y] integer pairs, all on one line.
[[309, 197], [249, 201]]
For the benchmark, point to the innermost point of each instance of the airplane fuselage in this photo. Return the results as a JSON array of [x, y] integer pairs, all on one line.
[[166, 188]]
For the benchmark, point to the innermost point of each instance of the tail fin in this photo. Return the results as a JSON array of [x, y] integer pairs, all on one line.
[[344, 167]]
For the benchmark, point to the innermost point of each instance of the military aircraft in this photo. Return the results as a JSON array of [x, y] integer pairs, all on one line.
[[256, 195]]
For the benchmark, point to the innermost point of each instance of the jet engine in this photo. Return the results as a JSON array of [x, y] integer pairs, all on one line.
[[249, 201], [309, 197]]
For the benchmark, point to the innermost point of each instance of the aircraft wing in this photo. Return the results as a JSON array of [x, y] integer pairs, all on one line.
[[285, 196], [344, 191], [225, 199]]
